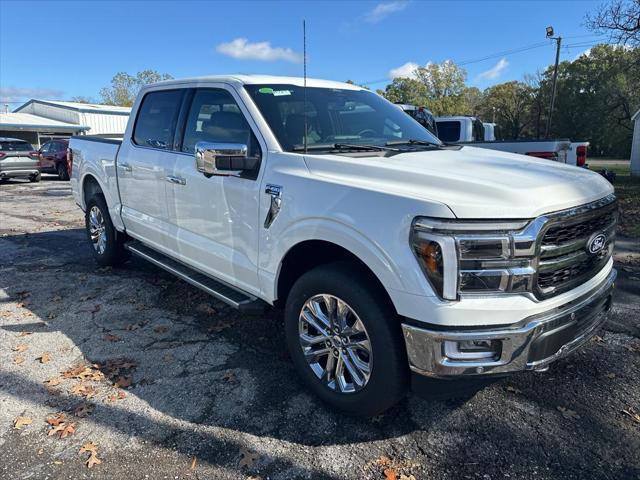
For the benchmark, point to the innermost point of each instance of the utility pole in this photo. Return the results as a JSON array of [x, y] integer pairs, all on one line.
[[555, 78]]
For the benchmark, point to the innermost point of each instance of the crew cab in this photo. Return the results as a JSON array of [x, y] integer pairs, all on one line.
[[397, 259], [471, 131]]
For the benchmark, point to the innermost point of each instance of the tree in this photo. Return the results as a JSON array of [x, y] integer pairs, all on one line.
[[510, 104], [445, 84], [473, 99], [125, 87], [82, 99], [406, 90], [620, 19]]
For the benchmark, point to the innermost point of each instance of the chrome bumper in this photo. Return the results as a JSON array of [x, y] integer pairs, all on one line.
[[531, 345]]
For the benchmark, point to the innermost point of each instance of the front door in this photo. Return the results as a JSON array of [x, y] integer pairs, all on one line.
[[216, 217], [144, 163]]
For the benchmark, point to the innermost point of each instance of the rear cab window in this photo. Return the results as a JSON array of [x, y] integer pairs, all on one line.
[[449, 131], [156, 121]]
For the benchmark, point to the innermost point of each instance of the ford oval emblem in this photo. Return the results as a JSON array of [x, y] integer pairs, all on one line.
[[596, 243]]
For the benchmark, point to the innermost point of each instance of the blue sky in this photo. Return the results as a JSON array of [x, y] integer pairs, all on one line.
[[64, 49]]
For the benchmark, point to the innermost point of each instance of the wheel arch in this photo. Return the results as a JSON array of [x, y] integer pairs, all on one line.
[[309, 254]]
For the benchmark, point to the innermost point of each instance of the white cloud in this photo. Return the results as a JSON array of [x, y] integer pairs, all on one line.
[[242, 49], [408, 70], [384, 9], [12, 94], [494, 72]]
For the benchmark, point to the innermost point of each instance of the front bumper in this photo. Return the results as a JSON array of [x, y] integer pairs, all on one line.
[[530, 345]]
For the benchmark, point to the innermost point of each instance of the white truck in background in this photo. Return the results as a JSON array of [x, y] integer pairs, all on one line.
[[463, 130], [397, 259]]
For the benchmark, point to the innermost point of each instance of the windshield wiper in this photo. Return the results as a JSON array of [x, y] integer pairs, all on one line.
[[416, 142], [345, 146]]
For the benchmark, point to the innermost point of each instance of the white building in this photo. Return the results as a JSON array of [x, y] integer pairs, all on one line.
[[635, 145], [38, 121]]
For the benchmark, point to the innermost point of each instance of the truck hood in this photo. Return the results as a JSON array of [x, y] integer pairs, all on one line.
[[472, 182]]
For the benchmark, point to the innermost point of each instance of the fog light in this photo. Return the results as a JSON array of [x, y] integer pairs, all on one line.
[[473, 350]]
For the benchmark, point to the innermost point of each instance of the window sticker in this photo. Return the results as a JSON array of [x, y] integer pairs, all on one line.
[[281, 93], [266, 90]]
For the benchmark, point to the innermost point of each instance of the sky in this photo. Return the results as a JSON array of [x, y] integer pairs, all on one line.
[[59, 50]]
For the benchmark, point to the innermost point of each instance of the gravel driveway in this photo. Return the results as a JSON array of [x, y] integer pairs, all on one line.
[[157, 380]]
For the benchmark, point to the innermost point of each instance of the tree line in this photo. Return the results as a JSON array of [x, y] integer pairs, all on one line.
[[597, 94]]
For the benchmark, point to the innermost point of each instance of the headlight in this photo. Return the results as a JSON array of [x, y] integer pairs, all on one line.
[[474, 257]]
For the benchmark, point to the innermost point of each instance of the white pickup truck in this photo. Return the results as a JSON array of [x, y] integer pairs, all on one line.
[[397, 259], [471, 131]]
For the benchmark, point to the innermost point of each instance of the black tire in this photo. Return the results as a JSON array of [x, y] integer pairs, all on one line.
[[114, 252], [389, 375], [62, 171], [35, 178]]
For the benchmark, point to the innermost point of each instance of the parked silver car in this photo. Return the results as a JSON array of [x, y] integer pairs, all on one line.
[[18, 159]]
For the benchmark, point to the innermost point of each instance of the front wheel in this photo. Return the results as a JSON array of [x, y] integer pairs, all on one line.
[[35, 178], [345, 340], [107, 244]]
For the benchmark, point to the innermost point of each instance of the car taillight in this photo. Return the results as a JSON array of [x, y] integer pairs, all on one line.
[[581, 155], [2, 154], [545, 155], [69, 160]]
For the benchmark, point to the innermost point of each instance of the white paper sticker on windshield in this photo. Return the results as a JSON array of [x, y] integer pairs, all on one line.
[[280, 93]]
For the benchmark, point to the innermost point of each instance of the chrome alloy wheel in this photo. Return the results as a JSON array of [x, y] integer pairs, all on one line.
[[335, 343], [97, 230]]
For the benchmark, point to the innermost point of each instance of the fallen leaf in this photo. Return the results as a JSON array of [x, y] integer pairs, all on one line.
[[63, 430], [84, 298], [24, 294], [84, 410], [610, 375], [45, 357], [123, 382], [53, 381], [597, 338], [21, 422], [56, 419], [56, 298], [377, 418], [160, 329], [95, 309], [220, 326], [229, 377], [513, 389], [119, 396], [193, 463], [407, 477], [20, 348], [18, 360], [92, 449], [51, 316], [112, 338], [633, 414], [248, 458], [390, 474], [567, 413], [24, 334], [83, 390], [382, 461]]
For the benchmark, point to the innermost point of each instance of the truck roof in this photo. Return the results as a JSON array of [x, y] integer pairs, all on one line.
[[239, 80]]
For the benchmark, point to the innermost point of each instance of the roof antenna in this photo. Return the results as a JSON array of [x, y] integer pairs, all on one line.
[[304, 60]]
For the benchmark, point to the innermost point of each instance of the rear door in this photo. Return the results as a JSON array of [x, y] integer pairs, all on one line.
[[144, 162], [17, 155]]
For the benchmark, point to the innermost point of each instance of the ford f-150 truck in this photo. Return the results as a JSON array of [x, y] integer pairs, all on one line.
[[471, 131], [396, 258]]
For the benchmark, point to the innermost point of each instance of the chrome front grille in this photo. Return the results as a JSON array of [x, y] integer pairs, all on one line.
[[565, 259]]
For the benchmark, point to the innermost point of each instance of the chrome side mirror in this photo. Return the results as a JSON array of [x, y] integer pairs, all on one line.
[[223, 159]]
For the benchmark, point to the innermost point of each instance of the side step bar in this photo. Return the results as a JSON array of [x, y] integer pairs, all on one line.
[[243, 301]]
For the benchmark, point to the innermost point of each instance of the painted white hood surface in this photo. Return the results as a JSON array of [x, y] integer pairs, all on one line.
[[472, 182]]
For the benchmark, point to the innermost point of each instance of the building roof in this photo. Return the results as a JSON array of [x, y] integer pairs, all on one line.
[[27, 121], [261, 80], [635, 116], [80, 107]]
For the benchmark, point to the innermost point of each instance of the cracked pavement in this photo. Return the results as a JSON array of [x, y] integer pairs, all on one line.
[[178, 385]]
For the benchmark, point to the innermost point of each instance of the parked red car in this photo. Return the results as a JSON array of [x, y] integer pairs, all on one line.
[[53, 158]]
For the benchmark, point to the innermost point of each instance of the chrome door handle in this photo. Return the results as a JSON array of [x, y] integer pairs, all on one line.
[[125, 166], [176, 180]]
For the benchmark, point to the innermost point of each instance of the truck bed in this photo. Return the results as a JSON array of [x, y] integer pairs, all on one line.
[[555, 149]]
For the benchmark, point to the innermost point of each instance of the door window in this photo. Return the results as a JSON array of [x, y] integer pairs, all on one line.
[[215, 117], [157, 118], [45, 148]]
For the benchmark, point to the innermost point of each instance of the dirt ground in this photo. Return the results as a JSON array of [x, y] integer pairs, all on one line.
[[168, 383]]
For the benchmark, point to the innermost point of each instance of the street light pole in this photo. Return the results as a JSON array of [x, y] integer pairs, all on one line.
[[555, 78]]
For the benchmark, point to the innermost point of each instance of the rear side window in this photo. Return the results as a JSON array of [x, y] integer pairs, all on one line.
[[156, 121], [215, 117], [15, 146], [449, 131]]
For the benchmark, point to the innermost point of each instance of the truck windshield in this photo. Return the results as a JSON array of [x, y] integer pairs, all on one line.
[[334, 116]]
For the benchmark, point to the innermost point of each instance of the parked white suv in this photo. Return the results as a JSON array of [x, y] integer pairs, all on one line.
[[395, 257]]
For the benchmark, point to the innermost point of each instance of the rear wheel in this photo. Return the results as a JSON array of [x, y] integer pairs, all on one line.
[[345, 340], [107, 243], [35, 178], [62, 171]]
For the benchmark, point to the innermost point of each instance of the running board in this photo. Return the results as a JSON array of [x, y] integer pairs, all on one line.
[[243, 301]]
